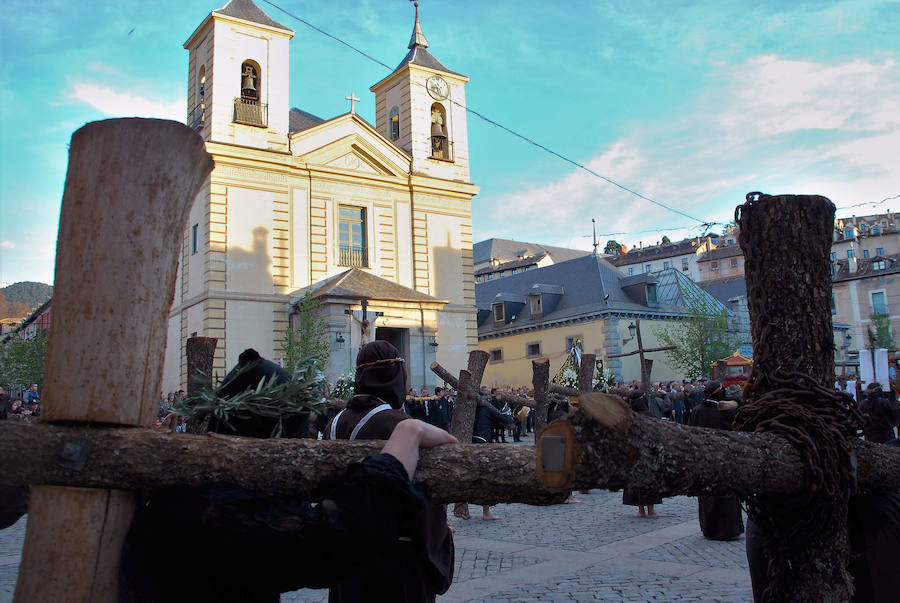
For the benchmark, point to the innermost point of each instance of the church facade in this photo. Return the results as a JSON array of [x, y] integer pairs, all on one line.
[[375, 221]]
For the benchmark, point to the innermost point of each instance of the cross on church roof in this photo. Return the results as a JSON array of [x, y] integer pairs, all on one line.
[[353, 100]]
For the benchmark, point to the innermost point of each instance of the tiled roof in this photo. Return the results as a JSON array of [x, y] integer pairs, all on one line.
[[508, 250], [299, 120], [865, 268], [358, 284], [589, 284], [655, 252], [529, 261], [420, 56], [726, 288], [726, 251], [248, 11]]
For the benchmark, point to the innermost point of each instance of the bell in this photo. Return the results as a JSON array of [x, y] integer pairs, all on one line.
[[437, 130], [247, 82]]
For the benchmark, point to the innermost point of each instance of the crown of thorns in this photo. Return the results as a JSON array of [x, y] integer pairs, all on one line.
[[380, 362]]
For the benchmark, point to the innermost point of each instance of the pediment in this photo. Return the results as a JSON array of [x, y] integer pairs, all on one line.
[[349, 144], [356, 162]]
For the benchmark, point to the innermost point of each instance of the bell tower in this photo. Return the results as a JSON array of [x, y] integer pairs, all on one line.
[[421, 107], [238, 77]]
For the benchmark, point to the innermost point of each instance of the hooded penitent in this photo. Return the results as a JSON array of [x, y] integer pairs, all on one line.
[[381, 372]]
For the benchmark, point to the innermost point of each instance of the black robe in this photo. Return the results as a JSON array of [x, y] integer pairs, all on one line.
[[224, 543], [720, 516], [630, 495], [416, 566]]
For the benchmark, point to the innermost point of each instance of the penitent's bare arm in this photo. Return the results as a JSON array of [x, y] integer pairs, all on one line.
[[410, 435]]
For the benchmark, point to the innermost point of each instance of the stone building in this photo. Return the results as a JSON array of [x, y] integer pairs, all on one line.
[[582, 302], [374, 219]]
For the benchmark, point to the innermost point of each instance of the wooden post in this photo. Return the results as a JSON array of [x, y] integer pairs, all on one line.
[[586, 373], [478, 360], [789, 297], [645, 374], [540, 381], [200, 353], [130, 184]]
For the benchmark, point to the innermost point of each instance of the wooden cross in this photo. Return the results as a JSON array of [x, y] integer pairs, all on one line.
[[83, 470], [353, 100], [641, 350]]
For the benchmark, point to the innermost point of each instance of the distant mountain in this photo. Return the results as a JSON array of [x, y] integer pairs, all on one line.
[[17, 300]]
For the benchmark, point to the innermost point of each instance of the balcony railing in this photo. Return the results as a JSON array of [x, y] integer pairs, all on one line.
[[197, 117], [355, 256], [441, 149], [250, 112]]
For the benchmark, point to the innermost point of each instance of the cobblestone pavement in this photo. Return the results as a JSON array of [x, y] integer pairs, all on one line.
[[597, 550]]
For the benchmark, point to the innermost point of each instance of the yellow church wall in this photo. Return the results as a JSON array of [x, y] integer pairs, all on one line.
[[300, 222], [515, 368], [404, 244], [250, 240], [248, 325]]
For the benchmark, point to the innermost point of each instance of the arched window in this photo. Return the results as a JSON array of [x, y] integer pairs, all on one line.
[[197, 117], [248, 108], [395, 123], [440, 146], [250, 81]]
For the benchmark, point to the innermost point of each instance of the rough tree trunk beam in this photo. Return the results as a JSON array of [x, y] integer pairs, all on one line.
[[131, 183], [555, 388], [789, 298], [540, 381], [668, 458], [450, 380], [462, 422], [586, 373], [200, 354]]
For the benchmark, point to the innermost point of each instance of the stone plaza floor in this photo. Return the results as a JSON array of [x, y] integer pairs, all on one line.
[[596, 550]]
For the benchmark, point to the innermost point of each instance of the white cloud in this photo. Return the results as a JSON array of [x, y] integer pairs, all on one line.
[[115, 103], [7, 244], [773, 96], [768, 124]]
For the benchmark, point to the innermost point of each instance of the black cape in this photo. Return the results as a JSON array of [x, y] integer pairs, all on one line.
[[224, 543], [720, 516]]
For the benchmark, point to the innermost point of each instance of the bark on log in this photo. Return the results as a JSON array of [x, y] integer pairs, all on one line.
[[586, 373], [513, 399], [145, 458], [789, 298], [136, 198], [200, 352], [111, 302], [444, 374], [666, 457], [463, 420], [540, 381], [478, 360], [555, 388]]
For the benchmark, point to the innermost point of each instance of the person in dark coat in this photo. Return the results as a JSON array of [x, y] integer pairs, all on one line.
[[720, 516], [873, 530], [224, 543], [247, 374], [440, 409], [881, 414], [487, 420], [637, 400], [419, 565]]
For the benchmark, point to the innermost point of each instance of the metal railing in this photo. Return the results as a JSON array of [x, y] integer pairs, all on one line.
[[441, 148], [355, 256], [197, 117], [251, 112]]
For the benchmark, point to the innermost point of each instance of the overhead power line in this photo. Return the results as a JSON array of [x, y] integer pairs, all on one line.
[[702, 223]]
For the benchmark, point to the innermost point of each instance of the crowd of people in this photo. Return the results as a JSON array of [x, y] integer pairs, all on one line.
[[21, 408]]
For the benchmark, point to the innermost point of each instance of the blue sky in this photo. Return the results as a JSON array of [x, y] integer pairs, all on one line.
[[693, 104]]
